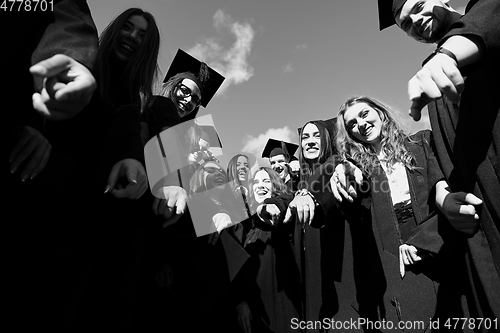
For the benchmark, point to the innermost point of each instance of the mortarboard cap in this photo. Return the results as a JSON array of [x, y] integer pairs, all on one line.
[[277, 147], [386, 12], [330, 125], [210, 135], [207, 79]]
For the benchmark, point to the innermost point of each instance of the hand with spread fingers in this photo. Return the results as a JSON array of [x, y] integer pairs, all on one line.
[[341, 181]]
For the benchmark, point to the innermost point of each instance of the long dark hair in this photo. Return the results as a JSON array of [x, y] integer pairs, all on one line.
[[393, 138], [232, 173], [141, 72], [307, 167], [279, 186]]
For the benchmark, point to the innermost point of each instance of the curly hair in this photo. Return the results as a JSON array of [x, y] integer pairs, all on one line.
[[141, 72], [393, 139], [307, 167]]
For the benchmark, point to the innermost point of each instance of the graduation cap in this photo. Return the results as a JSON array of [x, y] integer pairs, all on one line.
[[188, 67], [278, 147], [210, 135], [330, 124], [331, 127], [387, 9]]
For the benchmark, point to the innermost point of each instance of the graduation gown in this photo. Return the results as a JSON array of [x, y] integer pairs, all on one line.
[[330, 275], [432, 288], [202, 272], [467, 145], [47, 230], [270, 280]]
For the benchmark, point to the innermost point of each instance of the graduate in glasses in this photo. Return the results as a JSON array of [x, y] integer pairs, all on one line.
[[190, 83]]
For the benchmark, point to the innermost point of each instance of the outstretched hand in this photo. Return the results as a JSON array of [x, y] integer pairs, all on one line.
[[269, 213], [127, 179], [171, 203], [438, 76], [408, 255], [67, 87], [341, 181], [30, 147], [303, 207]]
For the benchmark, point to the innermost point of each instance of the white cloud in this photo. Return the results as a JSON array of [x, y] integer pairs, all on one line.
[[230, 62], [288, 68], [301, 47], [255, 144]]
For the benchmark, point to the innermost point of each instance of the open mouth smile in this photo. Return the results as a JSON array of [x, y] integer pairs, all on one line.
[[262, 192]]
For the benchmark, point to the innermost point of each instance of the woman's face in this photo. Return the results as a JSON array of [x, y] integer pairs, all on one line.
[[242, 167], [262, 186], [364, 123], [187, 97], [131, 37], [310, 141], [214, 176]]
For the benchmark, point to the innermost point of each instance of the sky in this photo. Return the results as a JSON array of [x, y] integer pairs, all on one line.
[[285, 61]]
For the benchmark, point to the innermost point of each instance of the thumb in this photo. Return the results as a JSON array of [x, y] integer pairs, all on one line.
[[401, 265], [472, 199], [288, 215], [358, 176], [51, 66]]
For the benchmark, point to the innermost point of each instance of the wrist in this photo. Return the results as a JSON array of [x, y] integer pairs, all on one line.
[[441, 50], [467, 50], [441, 193]]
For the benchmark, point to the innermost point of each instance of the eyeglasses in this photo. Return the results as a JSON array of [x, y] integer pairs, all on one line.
[[187, 92]]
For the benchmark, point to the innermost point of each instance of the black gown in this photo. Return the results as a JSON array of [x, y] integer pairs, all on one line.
[[467, 143]]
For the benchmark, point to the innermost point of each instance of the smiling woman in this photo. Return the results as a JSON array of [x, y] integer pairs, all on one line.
[[268, 287], [190, 83], [128, 48], [401, 222], [131, 36]]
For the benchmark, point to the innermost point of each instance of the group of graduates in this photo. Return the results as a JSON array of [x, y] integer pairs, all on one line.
[[121, 219]]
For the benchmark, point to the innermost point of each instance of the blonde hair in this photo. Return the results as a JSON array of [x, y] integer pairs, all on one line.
[[393, 139]]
